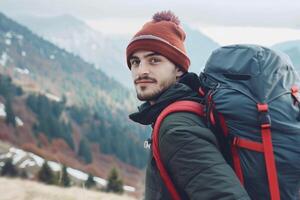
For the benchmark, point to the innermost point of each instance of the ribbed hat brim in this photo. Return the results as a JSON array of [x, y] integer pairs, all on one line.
[[165, 49]]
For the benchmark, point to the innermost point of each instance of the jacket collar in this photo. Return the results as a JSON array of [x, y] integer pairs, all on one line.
[[147, 113]]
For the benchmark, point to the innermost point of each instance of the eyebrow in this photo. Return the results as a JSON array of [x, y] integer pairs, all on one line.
[[151, 54], [145, 56]]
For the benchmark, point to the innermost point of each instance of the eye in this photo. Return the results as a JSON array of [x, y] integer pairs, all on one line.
[[134, 62], [154, 60]]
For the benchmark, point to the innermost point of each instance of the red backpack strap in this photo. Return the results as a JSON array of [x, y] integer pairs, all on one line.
[[179, 106], [266, 147], [268, 151]]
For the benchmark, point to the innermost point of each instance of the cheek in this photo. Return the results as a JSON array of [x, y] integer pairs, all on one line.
[[133, 74]]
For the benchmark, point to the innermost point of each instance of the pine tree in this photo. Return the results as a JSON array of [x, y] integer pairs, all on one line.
[[46, 175], [114, 184], [89, 183], [9, 169], [10, 115], [85, 151], [65, 179]]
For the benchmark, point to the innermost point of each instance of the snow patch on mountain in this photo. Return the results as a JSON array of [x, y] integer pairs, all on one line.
[[101, 181], [19, 122], [77, 174], [2, 110], [52, 97], [54, 166], [22, 71], [4, 59]]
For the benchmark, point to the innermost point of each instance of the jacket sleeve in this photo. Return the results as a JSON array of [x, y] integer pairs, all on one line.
[[191, 156]]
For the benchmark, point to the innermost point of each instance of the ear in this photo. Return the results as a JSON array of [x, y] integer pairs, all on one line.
[[179, 72]]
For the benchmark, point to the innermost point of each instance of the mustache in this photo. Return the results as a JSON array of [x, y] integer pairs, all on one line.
[[144, 78]]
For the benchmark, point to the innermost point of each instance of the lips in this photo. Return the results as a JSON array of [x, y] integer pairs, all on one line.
[[144, 81]]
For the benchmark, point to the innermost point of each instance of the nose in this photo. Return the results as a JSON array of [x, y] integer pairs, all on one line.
[[143, 68]]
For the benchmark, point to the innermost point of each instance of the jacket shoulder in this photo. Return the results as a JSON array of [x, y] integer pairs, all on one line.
[[186, 123]]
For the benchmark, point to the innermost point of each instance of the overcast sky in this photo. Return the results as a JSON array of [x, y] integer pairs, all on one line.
[[224, 20]]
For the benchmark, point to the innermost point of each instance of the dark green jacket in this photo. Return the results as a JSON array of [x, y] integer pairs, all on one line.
[[189, 152]]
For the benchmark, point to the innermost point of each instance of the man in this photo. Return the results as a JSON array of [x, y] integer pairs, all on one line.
[[158, 62]]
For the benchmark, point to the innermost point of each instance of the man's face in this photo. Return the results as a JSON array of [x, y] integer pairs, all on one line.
[[152, 74]]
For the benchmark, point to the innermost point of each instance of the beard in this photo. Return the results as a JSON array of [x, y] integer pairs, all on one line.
[[151, 96], [154, 94]]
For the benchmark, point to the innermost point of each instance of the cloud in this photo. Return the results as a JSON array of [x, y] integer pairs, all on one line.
[[250, 35], [263, 13]]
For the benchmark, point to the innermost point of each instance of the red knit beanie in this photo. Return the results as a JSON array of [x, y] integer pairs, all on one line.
[[162, 35]]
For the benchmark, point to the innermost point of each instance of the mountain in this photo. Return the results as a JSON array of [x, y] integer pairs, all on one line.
[[73, 35], [40, 52], [108, 52], [292, 49], [67, 109], [199, 47]]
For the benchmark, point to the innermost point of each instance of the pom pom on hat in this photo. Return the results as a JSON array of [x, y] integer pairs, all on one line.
[[166, 16]]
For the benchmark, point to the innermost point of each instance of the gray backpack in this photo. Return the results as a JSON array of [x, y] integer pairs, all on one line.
[[252, 104]]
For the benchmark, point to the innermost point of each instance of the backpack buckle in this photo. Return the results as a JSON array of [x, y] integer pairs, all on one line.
[[262, 107], [265, 119]]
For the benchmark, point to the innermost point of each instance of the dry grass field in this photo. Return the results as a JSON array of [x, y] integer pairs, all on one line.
[[17, 189]]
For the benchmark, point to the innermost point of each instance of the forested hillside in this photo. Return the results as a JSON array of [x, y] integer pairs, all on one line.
[[58, 105]]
